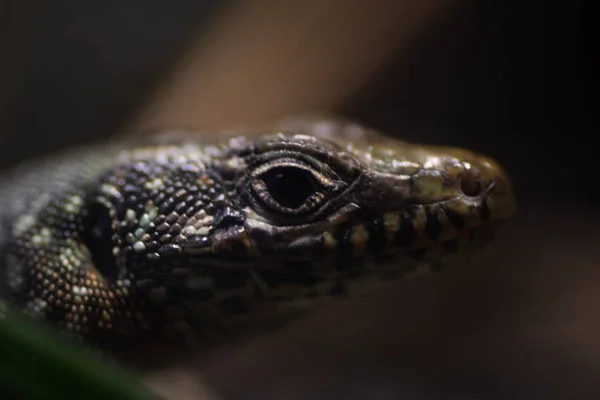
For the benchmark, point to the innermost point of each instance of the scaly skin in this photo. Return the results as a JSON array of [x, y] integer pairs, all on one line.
[[174, 234]]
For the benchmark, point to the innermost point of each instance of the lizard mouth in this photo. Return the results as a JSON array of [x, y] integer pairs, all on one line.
[[297, 284]]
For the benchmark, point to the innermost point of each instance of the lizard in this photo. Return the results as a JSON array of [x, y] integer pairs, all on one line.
[[178, 231]]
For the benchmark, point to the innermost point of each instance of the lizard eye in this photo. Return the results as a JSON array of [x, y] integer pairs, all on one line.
[[290, 188]]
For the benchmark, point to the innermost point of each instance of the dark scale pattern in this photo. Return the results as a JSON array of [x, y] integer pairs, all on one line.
[[406, 234], [455, 218], [376, 230], [129, 239], [62, 285], [434, 227]]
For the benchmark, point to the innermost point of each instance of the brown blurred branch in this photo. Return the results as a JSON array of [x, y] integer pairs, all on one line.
[[264, 59]]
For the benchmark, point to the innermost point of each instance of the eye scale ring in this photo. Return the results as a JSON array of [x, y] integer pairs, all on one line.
[[290, 187]]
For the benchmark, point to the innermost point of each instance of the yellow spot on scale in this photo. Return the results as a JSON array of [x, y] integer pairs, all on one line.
[[156, 183], [391, 223], [110, 190], [419, 222], [73, 204], [22, 224], [430, 187], [329, 241], [42, 238], [359, 239]]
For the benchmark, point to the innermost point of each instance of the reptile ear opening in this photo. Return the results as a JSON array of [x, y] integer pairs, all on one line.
[[98, 236]]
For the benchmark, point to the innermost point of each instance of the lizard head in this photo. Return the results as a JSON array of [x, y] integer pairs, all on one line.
[[291, 215], [325, 207]]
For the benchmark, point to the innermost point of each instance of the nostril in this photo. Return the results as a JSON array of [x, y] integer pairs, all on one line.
[[470, 184]]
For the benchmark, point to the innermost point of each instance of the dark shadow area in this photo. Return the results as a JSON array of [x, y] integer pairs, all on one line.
[[517, 321], [510, 79], [79, 69]]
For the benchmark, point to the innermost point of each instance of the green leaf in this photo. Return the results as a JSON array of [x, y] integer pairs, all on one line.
[[36, 363]]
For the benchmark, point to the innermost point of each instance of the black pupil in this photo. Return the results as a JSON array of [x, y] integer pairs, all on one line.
[[289, 186]]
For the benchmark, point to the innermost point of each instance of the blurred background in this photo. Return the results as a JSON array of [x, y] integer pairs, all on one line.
[[512, 79]]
